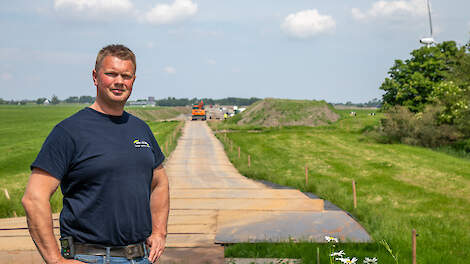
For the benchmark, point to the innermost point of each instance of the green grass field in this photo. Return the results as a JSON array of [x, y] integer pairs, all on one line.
[[23, 130], [399, 187]]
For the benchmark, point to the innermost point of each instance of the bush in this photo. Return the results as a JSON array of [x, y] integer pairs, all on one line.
[[462, 145], [424, 128]]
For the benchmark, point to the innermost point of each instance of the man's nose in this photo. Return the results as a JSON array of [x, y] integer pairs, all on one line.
[[119, 79]]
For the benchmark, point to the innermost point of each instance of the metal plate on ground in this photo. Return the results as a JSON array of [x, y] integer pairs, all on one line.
[[190, 240], [249, 204], [256, 226], [236, 193]]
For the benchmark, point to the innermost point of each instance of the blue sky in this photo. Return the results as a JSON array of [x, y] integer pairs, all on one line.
[[333, 50]]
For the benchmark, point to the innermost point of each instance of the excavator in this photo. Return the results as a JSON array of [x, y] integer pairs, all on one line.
[[198, 111]]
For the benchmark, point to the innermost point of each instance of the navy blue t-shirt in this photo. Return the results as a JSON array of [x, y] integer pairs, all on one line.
[[105, 164]]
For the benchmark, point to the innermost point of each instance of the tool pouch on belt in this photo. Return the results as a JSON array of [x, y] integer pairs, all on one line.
[[67, 248]]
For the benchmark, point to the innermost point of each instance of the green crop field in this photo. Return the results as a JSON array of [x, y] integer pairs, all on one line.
[[23, 130], [399, 187]]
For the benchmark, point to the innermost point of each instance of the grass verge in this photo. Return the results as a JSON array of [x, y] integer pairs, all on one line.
[[399, 187], [24, 129]]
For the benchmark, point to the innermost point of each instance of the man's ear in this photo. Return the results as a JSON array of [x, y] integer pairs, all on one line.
[[95, 77]]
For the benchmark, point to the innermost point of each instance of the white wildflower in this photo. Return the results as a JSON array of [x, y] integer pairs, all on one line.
[[370, 260], [347, 260], [337, 254], [329, 239]]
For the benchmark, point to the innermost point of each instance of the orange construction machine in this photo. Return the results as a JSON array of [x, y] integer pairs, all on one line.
[[198, 111]]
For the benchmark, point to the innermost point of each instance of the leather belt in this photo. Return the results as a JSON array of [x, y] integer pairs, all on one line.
[[130, 252]]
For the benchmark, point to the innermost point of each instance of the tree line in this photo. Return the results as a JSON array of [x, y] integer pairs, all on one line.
[[427, 97], [170, 101]]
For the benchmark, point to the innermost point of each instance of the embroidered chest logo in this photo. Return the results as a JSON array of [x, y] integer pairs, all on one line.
[[141, 144]]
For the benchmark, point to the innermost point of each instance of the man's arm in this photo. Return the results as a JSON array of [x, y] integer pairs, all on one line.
[[159, 207], [41, 186]]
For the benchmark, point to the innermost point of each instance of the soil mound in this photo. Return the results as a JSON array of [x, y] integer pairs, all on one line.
[[285, 112], [151, 114]]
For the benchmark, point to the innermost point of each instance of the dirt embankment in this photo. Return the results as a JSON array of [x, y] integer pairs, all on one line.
[[284, 112], [161, 113]]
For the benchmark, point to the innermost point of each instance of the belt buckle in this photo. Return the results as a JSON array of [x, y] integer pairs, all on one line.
[[133, 251], [129, 252]]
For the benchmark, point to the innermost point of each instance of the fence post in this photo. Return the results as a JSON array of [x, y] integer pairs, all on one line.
[[318, 255], [413, 245], [249, 161], [306, 175], [354, 194], [238, 152]]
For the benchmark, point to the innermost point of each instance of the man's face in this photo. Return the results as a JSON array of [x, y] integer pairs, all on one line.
[[114, 80]]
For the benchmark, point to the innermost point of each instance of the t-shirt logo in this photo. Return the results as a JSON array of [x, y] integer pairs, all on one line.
[[141, 144]]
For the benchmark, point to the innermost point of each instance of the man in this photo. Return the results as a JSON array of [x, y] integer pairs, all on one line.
[[109, 167]]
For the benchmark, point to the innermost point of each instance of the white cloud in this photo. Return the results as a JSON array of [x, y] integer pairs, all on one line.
[[178, 11], [307, 23], [5, 76], [93, 9], [391, 9], [169, 70]]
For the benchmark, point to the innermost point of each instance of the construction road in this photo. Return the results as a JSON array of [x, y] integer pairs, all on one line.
[[212, 204]]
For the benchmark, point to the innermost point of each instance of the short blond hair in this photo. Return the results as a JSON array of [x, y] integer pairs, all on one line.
[[116, 50]]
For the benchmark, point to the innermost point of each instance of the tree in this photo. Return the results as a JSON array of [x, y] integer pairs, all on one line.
[[41, 100], [55, 100], [72, 100], [411, 82], [86, 99]]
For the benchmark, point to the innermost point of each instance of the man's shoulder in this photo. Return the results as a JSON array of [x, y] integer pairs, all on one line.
[[74, 119]]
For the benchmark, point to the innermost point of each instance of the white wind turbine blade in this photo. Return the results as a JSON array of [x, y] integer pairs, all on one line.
[[430, 19]]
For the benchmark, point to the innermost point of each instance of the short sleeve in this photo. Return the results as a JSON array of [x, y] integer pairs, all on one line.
[[56, 153], [157, 152]]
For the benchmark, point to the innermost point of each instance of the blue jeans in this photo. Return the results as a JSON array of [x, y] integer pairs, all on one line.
[[110, 260]]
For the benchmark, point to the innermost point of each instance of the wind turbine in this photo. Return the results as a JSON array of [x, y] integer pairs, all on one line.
[[429, 40]]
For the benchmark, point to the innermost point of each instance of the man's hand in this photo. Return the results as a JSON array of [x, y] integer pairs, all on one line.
[[156, 245], [69, 261]]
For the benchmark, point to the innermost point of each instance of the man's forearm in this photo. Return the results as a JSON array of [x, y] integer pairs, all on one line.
[[160, 206], [39, 217]]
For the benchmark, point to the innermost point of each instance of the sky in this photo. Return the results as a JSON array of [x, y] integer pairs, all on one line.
[[335, 50]]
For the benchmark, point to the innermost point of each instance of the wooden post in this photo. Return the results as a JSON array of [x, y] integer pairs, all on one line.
[[413, 245], [249, 161], [7, 194], [238, 152], [354, 194], [306, 175], [318, 255]]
